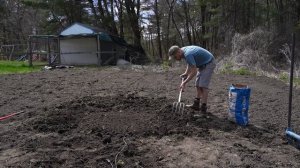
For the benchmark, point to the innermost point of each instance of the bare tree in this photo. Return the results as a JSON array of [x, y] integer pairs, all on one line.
[[119, 5], [187, 20], [158, 29], [133, 11], [106, 15], [172, 6]]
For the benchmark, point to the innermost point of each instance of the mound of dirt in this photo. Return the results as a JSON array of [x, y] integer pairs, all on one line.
[[104, 124]]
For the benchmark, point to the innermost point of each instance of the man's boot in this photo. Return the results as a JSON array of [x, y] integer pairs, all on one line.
[[195, 105], [203, 108]]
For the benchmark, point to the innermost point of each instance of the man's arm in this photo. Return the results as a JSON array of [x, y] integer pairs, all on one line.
[[191, 72], [185, 74]]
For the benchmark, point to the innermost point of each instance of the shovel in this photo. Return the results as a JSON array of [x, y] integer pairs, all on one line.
[[178, 107]]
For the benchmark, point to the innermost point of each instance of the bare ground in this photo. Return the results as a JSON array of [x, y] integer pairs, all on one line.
[[111, 117]]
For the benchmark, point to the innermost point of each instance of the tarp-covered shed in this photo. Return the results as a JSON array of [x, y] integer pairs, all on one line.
[[81, 44]]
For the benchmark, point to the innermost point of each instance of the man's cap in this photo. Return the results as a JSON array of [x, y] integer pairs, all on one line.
[[173, 50]]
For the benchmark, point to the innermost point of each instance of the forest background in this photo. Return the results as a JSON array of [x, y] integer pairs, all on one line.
[[252, 34]]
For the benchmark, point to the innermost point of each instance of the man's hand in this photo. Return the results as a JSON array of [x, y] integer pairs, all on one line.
[[183, 76], [190, 72]]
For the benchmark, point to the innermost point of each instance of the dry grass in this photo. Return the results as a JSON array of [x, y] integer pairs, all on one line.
[[249, 56]]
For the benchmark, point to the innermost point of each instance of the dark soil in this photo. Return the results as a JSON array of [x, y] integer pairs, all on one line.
[[111, 117]]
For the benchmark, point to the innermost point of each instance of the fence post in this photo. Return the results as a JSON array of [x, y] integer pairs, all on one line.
[[99, 50], [48, 51], [30, 52]]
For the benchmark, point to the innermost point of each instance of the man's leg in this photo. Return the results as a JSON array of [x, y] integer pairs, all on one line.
[[203, 84], [199, 92], [196, 103], [204, 94]]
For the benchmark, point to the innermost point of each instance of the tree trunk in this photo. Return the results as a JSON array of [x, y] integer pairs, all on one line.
[[133, 12], [152, 45], [121, 25], [169, 20], [298, 11], [248, 16], [102, 14], [254, 14], [158, 29], [133, 15], [175, 24], [92, 6], [114, 29], [268, 15], [281, 22], [187, 21], [235, 15], [203, 16]]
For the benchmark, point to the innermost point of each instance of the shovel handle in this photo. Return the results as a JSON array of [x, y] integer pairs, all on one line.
[[179, 98], [181, 90]]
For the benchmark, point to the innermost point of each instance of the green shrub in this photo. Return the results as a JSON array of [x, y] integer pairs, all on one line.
[[228, 66], [241, 71], [297, 81], [166, 65], [286, 78]]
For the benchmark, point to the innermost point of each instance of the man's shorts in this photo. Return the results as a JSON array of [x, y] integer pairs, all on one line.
[[204, 74]]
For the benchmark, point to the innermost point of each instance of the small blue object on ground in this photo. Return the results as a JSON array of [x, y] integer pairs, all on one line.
[[293, 138]]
